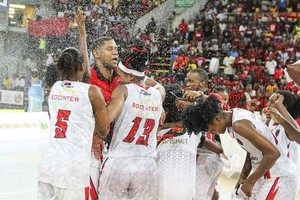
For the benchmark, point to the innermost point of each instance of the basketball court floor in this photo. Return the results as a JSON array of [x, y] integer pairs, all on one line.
[[19, 161]]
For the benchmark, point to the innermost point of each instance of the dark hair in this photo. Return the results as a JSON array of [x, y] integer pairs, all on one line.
[[69, 61], [202, 74], [136, 58], [173, 91], [198, 117], [218, 89], [100, 41], [291, 102], [51, 75]]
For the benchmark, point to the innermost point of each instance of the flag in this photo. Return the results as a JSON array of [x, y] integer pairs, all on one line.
[[51, 26]]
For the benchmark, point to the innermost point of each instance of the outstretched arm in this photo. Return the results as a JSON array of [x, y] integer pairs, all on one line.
[[83, 45]]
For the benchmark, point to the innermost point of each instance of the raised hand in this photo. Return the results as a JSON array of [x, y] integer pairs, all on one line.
[[275, 114]]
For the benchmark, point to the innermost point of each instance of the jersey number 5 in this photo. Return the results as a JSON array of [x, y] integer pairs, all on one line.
[[61, 123], [142, 140]]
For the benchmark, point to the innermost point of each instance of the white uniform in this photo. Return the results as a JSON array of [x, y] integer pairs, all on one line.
[[129, 170], [287, 147], [279, 182], [208, 169], [176, 162], [65, 163]]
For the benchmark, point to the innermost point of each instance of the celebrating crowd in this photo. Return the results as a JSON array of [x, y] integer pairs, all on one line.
[[117, 133]]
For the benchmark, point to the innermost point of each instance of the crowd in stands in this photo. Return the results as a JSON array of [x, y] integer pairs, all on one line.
[[109, 17], [244, 45]]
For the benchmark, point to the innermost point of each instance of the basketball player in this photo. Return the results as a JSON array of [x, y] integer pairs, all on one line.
[[271, 172], [288, 106], [209, 164], [129, 170], [75, 108], [177, 150]]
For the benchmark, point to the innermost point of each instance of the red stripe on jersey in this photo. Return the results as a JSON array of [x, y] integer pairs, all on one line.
[[93, 192], [267, 175], [86, 193], [274, 190]]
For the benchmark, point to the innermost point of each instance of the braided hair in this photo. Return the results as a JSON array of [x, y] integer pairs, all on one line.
[[136, 58], [69, 62], [198, 117], [173, 92]]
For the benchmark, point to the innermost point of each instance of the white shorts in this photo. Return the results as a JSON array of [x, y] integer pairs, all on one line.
[[132, 178], [279, 188], [46, 191], [208, 170]]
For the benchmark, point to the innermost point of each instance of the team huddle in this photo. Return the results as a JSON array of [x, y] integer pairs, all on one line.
[[118, 134]]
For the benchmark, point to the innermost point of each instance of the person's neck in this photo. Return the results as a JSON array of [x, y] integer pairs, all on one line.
[[106, 71]]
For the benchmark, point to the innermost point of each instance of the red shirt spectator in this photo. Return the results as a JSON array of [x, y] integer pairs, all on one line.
[[198, 34], [183, 27]]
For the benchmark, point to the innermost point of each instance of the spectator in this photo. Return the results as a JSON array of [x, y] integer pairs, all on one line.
[[183, 29]]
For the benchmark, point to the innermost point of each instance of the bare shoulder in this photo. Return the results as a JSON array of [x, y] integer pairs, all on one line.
[[93, 90]]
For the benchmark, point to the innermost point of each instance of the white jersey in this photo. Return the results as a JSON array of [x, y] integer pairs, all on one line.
[[282, 166], [286, 147], [176, 161], [134, 132], [66, 161]]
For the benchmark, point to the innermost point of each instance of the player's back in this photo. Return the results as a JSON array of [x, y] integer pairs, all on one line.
[[135, 128], [176, 163], [72, 125], [281, 165]]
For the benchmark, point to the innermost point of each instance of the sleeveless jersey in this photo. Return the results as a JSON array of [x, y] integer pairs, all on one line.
[[282, 167], [285, 146], [176, 162], [66, 161], [134, 132]]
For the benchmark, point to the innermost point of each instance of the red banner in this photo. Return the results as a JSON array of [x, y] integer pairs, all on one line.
[[52, 26], [289, 15]]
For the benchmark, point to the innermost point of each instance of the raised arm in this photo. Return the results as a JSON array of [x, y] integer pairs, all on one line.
[[292, 132], [83, 44], [100, 111], [270, 153]]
